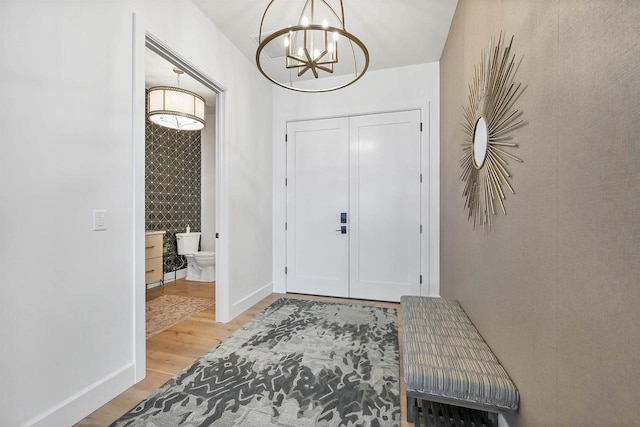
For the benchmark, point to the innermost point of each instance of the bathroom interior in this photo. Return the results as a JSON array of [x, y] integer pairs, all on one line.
[[179, 186]]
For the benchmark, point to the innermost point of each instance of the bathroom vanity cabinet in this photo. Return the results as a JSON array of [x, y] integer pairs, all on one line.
[[153, 251]]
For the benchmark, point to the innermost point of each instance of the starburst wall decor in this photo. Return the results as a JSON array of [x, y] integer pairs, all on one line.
[[488, 119]]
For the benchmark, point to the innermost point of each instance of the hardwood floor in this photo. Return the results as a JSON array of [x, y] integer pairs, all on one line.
[[176, 348]]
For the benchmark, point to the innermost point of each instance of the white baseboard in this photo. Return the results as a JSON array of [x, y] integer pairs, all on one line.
[[250, 300], [279, 287], [179, 274], [153, 285], [73, 409], [169, 277]]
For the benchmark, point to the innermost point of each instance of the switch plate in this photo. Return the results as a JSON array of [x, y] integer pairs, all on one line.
[[99, 219]]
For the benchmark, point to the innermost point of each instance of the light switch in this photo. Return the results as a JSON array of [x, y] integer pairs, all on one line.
[[99, 220]]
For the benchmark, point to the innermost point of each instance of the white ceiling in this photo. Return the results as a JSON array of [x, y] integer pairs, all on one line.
[[396, 32]]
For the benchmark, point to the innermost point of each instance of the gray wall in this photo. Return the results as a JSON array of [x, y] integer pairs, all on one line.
[[554, 287]]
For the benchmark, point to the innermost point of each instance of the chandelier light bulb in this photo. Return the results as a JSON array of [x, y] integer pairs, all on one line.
[[305, 21], [300, 51], [330, 48], [286, 42], [316, 53], [336, 36], [325, 24]]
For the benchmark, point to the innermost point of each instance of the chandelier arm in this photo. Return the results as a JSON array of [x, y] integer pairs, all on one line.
[[329, 62], [342, 11], [310, 64], [313, 9], [291, 67], [306, 67], [262, 20], [295, 58], [320, 55], [324, 68], [355, 61]]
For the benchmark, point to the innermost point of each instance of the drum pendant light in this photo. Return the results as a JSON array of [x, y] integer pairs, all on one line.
[[176, 108]]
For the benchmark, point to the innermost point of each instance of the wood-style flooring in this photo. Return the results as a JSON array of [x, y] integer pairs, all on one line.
[[176, 348]]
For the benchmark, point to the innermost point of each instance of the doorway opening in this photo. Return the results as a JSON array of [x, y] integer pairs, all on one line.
[[217, 223], [179, 179]]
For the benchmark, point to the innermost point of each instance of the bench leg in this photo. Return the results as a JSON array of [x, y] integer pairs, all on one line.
[[412, 407]]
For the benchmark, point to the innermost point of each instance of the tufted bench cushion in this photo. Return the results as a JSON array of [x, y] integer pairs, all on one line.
[[446, 360]]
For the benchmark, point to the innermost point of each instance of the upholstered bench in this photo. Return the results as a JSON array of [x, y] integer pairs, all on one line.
[[445, 360]]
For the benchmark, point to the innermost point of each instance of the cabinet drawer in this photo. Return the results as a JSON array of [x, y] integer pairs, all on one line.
[[153, 246], [153, 270]]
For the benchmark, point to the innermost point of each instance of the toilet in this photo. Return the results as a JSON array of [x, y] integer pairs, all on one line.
[[200, 264]]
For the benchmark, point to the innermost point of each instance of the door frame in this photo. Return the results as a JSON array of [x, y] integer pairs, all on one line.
[[143, 39], [430, 209]]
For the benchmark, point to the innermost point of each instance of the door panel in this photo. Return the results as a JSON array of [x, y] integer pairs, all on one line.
[[317, 192], [385, 206]]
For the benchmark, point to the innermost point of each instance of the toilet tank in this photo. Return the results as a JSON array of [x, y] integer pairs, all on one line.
[[187, 243]]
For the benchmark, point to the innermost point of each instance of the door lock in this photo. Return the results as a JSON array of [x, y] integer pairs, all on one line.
[[342, 229], [343, 217]]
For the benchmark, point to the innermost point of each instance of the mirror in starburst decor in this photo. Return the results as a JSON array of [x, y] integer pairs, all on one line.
[[489, 118]]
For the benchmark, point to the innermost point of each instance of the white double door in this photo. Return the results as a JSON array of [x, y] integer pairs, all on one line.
[[353, 206]]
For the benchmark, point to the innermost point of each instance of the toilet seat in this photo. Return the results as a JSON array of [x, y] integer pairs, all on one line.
[[205, 254]]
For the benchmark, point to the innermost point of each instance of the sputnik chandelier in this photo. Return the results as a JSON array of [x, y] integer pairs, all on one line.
[[315, 45]]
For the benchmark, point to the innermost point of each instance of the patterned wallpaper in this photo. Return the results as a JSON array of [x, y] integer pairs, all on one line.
[[172, 186]]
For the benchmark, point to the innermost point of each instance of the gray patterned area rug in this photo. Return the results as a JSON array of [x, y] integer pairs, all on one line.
[[298, 363]]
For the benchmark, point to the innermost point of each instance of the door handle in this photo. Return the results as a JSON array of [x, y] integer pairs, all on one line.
[[342, 229]]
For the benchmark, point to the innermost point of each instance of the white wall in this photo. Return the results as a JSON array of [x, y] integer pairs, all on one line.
[[412, 87], [68, 318], [208, 185]]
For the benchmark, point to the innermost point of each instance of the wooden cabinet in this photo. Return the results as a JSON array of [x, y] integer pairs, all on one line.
[[153, 250]]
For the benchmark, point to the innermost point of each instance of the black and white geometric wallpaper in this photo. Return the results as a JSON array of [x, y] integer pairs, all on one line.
[[172, 186]]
